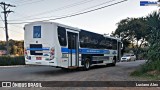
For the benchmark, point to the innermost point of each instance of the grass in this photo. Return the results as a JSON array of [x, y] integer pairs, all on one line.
[[145, 75], [149, 71], [8, 60]]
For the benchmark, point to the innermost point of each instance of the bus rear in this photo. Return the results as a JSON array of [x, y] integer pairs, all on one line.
[[39, 43]]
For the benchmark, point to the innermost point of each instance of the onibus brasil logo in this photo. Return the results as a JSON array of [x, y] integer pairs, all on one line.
[[21, 84]]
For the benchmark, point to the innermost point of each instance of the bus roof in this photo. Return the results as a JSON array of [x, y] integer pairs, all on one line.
[[58, 24], [70, 27]]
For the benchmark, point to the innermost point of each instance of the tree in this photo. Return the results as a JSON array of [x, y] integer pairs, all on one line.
[[153, 21], [2, 45], [134, 31], [122, 32], [152, 66], [138, 30], [16, 47]]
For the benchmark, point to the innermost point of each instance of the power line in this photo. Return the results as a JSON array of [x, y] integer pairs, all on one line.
[[18, 1], [71, 13], [78, 13], [16, 26], [1, 18], [12, 25], [30, 3], [61, 8], [89, 10], [16, 32], [22, 1], [12, 30], [100, 4], [91, 7], [35, 18]]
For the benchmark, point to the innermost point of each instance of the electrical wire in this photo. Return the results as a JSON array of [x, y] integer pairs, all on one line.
[[14, 32], [4, 28], [71, 13], [88, 11], [61, 8], [29, 3], [20, 1], [1, 18], [79, 13]]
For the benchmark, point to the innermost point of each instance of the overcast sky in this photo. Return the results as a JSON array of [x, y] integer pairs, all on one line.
[[100, 21]]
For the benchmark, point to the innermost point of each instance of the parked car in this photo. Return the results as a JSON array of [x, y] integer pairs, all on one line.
[[128, 57]]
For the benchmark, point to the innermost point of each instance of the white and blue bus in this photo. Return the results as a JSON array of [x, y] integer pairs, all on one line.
[[54, 44]]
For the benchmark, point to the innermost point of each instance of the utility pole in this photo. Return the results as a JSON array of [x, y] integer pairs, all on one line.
[[6, 12]]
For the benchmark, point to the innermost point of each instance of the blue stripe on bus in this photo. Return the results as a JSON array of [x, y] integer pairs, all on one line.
[[86, 51], [66, 50], [34, 49], [94, 51]]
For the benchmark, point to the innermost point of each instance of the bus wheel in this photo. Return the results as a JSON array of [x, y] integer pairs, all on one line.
[[86, 64]]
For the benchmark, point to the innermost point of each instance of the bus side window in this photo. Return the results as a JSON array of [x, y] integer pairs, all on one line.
[[108, 43], [62, 36], [114, 44]]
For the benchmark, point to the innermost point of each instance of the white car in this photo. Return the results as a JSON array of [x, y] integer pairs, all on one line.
[[128, 57]]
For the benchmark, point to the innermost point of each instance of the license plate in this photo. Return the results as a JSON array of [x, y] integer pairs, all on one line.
[[38, 58]]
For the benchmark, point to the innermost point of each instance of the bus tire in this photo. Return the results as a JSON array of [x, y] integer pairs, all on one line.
[[86, 64]]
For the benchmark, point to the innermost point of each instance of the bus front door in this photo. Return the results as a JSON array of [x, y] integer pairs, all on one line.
[[73, 49]]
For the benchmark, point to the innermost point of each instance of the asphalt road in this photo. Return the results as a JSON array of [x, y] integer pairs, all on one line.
[[44, 73], [121, 72]]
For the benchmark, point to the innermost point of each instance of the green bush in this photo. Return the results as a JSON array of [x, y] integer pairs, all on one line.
[[8, 60], [150, 70]]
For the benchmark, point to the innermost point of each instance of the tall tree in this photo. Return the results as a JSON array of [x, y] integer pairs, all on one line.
[[133, 30], [122, 32], [138, 30], [154, 37]]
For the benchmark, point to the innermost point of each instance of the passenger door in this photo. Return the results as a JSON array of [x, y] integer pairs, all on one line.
[[73, 49]]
